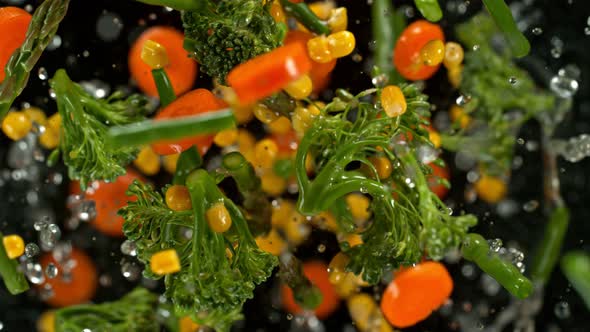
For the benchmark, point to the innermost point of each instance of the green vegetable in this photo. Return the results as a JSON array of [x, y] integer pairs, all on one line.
[[176, 4], [150, 131], [305, 16], [429, 9], [387, 25], [135, 311], [164, 86], [408, 219], [576, 267], [222, 34], [14, 279], [502, 15], [476, 249], [188, 161], [550, 247], [41, 30], [85, 121], [306, 294]]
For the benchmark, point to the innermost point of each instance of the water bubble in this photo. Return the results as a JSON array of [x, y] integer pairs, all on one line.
[[321, 248], [20, 154], [105, 280], [42, 74], [468, 271], [537, 31], [587, 31], [507, 208], [39, 225], [55, 43], [51, 271], [34, 273], [562, 310], [85, 210], [289, 316], [463, 100], [52, 94], [575, 149], [379, 80], [475, 47], [530, 206], [130, 271], [62, 253], [49, 236], [129, 248], [46, 292], [563, 86], [31, 250], [495, 245], [512, 80], [426, 154]]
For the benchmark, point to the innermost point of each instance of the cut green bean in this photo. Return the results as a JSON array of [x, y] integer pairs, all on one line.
[[576, 267], [306, 294], [164, 86], [14, 279], [476, 249], [430, 9], [176, 4], [150, 131], [548, 253], [305, 16], [188, 161], [502, 15], [387, 25]]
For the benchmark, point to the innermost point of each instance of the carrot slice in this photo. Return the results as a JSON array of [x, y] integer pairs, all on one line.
[[192, 103], [438, 173], [14, 23], [181, 70], [268, 73], [415, 292], [74, 286]]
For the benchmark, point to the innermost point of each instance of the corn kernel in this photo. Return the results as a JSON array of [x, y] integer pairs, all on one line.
[[434, 137], [49, 139], [246, 141], [281, 213], [490, 189], [154, 55], [302, 119], [54, 122], [36, 115], [271, 243], [325, 220], [243, 113], [178, 198], [316, 107], [309, 164], [359, 207], [14, 246], [454, 75], [264, 114], [273, 184], [300, 88], [147, 161], [277, 12], [393, 101], [226, 137], [46, 322], [265, 153], [341, 44], [457, 114], [169, 162], [366, 314], [218, 218], [453, 55], [353, 239], [318, 49], [338, 20], [322, 9], [16, 125], [165, 262], [382, 165], [186, 324], [337, 268], [296, 228], [433, 53], [280, 126]]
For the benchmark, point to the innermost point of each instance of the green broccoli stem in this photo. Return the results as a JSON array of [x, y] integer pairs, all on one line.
[[14, 280], [164, 86], [150, 131], [176, 4], [306, 294], [502, 15], [476, 249], [305, 16], [430, 9], [548, 253], [576, 267], [387, 25], [188, 161]]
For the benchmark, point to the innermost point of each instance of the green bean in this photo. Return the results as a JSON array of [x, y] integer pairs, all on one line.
[[429, 9], [576, 267], [476, 249], [242, 172], [548, 253], [176, 4], [502, 15], [387, 25], [164, 86], [149, 131], [305, 16], [14, 280], [189, 160]]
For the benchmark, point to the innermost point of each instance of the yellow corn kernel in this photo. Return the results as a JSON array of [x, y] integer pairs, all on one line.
[[16, 125], [14, 246], [309, 164], [358, 206], [265, 152], [49, 139], [457, 114], [277, 12], [382, 165], [280, 126], [393, 101], [296, 228], [300, 88], [361, 307], [454, 75], [46, 322], [490, 189], [325, 220], [433, 53], [302, 119], [353, 239], [218, 218], [337, 268], [226, 137], [318, 49], [169, 162], [147, 161], [453, 55], [271, 243], [36, 115], [322, 9], [54, 122], [316, 107], [246, 141], [186, 324], [341, 44], [165, 262], [178, 198], [434, 137], [273, 184], [338, 20], [154, 55], [243, 113], [264, 114], [281, 212]]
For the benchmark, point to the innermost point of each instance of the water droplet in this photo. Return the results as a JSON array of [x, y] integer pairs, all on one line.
[[109, 26], [468, 271], [530, 206], [475, 47], [321, 248], [379, 80], [463, 100], [51, 271], [97, 88], [52, 94], [537, 31], [85, 210], [34, 273], [129, 248], [130, 271], [105, 280], [20, 154], [39, 225], [49, 236], [495, 245], [512, 80], [31, 250], [55, 43], [289, 316], [563, 86], [426, 154], [562, 310], [46, 292]]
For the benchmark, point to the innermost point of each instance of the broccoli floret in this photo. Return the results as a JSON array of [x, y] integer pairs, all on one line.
[[85, 121], [224, 33]]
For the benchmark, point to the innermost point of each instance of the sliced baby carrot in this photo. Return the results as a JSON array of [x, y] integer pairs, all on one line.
[[415, 292], [192, 103], [181, 69], [287, 143], [76, 280], [268, 73], [406, 54], [317, 273], [13, 28]]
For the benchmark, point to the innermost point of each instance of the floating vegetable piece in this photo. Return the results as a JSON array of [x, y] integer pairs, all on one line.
[[576, 267], [305, 16], [13, 278], [387, 25], [549, 250], [430, 9], [16, 21], [502, 16], [407, 59]]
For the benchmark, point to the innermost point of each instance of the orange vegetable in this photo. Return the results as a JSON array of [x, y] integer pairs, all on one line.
[[192, 103], [317, 273], [287, 143], [415, 292], [79, 286], [268, 73], [181, 70], [14, 23], [438, 173], [406, 54]]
